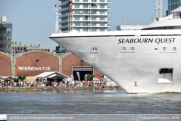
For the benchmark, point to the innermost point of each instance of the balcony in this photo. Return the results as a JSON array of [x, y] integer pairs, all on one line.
[[5, 42], [5, 49], [93, 14], [5, 34], [92, 8], [64, 9], [91, 25], [64, 3], [90, 20], [63, 15], [63, 27], [82, 1], [64, 21], [7, 25]]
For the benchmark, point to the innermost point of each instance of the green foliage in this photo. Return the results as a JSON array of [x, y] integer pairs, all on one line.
[[21, 77], [89, 77], [16, 80]]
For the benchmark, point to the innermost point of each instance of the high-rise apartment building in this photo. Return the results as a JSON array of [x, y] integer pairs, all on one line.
[[173, 4], [5, 35], [84, 15]]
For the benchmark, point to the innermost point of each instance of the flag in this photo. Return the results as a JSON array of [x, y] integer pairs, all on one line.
[[58, 4], [78, 75], [72, 77], [86, 77]]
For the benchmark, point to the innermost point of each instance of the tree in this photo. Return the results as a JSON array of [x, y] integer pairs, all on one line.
[[89, 77], [21, 77], [16, 80]]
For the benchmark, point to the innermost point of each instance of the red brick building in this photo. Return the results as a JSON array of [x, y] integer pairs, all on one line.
[[36, 62], [72, 64], [5, 64]]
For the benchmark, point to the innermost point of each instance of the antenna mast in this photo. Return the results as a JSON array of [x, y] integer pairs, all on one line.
[[158, 8]]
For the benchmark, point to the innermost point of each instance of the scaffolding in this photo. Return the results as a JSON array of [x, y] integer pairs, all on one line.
[[158, 8]]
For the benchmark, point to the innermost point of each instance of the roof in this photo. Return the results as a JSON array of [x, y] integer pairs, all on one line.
[[51, 75], [164, 23], [176, 10]]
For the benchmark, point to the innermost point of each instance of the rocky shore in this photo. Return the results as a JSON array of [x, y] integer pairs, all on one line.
[[58, 89]]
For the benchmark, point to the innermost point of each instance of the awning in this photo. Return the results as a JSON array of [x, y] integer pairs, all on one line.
[[1, 78], [52, 75], [9, 78]]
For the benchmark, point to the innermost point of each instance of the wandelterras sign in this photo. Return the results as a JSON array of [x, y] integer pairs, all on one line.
[[20, 68]]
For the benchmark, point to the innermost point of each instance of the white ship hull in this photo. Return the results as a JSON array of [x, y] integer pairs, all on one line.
[[135, 69]]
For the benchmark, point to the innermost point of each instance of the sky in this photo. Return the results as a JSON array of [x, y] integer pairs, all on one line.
[[34, 20]]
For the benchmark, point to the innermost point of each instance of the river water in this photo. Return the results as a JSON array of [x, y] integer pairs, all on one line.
[[88, 102]]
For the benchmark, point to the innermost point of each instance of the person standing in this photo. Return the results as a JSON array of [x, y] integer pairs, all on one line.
[[67, 83], [20, 83]]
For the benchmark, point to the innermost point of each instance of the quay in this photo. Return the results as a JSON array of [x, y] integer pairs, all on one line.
[[59, 89]]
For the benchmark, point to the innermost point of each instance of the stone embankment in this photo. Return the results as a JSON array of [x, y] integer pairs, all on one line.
[[59, 89]]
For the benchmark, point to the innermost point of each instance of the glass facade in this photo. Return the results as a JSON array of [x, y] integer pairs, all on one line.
[[173, 4]]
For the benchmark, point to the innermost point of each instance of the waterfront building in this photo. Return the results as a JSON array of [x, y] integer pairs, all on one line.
[[18, 48], [84, 15], [33, 63], [130, 27], [173, 4], [5, 35]]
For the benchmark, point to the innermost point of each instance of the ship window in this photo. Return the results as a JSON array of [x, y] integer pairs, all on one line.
[[174, 49], [124, 48], [165, 75], [132, 48], [95, 48], [164, 48]]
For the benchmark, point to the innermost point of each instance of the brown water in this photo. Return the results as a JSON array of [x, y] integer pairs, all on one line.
[[85, 102]]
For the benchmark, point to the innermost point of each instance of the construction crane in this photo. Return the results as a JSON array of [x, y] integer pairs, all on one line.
[[70, 16], [158, 8], [56, 23]]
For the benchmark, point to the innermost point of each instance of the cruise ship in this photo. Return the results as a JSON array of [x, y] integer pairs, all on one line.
[[146, 61]]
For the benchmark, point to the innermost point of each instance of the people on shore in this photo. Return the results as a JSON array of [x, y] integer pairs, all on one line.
[[65, 83]]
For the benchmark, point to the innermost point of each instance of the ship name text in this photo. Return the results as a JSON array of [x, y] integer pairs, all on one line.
[[147, 40]]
